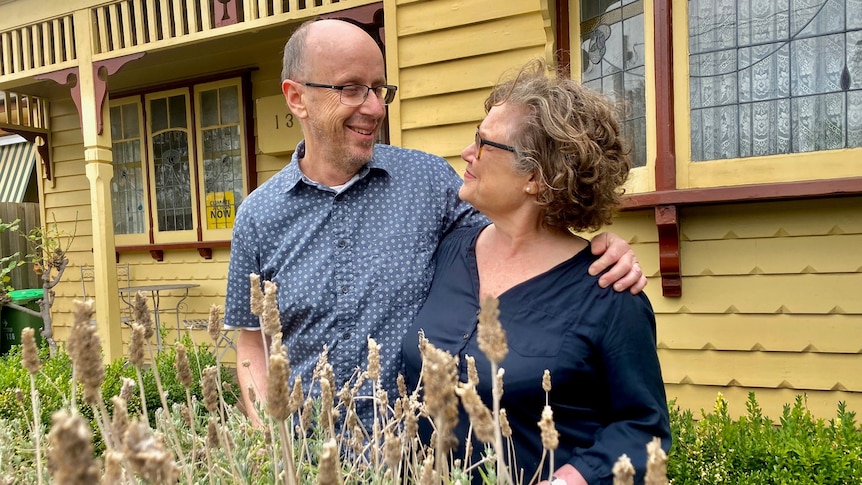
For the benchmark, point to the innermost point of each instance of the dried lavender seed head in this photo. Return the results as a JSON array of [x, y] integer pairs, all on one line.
[[472, 373], [209, 386], [147, 456], [127, 389], [212, 433], [214, 323], [439, 377], [373, 360], [391, 449], [480, 415], [624, 472], [402, 386], [136, 346], [114, 472], [142, 315], [270, 316], [70, 454], [295, 395], [546, 381], [492, 337], [184, 370], [550, 436], [656, 473], [87, 359], [119, 420], [329, 471], [29, 352], [505, 428], [277, 393], [256, 297]]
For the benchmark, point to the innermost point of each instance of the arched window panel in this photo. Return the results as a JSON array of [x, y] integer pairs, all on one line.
[[172, 176]]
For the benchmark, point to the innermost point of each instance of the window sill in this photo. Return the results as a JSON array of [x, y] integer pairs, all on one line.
[[157, 251], [666, 203]]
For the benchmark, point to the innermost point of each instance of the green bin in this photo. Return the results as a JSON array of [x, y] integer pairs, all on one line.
[[13, 321]]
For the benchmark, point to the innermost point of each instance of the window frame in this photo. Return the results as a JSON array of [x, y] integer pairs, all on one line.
[[185, 235], [136, 238], [669, 166], [768, 169], [641, 179], [218, 233], [153, 240]]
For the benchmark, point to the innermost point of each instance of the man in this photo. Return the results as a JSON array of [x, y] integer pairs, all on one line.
[[349, 228]]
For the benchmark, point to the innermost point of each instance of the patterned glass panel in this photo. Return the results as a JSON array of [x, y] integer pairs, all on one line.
[[774, 76], [222, 155], [127, 186], [613, 63], [173, 187]]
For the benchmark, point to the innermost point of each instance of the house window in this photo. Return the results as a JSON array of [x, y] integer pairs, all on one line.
[[127, 186], [774, 77], [612, 62], [192, 156]]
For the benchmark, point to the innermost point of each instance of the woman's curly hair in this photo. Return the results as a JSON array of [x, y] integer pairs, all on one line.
[[571, 140]]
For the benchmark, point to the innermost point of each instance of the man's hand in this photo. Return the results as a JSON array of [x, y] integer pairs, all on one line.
[[620, 261]]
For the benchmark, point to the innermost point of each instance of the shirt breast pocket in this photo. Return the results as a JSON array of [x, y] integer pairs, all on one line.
[[536, 333], [402, 268]]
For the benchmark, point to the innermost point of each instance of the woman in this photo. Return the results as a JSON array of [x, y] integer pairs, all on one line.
[[548, 159]]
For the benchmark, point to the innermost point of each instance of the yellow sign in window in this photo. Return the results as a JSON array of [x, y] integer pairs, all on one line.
[[220, 210]]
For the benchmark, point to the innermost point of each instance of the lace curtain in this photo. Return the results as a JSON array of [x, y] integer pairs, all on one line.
[[774, 76]]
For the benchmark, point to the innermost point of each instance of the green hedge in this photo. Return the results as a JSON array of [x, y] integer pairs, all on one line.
[[754, 450], [55, 380]]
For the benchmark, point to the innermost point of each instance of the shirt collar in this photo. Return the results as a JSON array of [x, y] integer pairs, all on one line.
[[294, 175]]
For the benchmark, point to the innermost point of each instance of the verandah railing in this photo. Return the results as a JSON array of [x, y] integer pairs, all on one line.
[[132, 24]]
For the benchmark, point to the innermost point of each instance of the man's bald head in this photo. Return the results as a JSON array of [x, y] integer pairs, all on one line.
[[328, 37]]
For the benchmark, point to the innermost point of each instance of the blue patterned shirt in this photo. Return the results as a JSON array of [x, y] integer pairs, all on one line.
[[348, 264]]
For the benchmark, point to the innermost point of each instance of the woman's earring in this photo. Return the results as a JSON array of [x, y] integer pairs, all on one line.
[[528, 189]]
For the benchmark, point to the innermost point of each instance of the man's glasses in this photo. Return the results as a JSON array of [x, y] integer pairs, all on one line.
[[480, 142], [355, 94]]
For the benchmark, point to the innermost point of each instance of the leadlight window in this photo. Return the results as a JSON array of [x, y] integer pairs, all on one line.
[[774, 76], [172, 172], [187, 168], [127, 186], [221, 147], [612, 62]]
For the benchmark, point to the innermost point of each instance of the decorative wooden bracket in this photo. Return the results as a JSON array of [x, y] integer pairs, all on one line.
[[667, 221], [109, 67], [64, 77], [101, 71]]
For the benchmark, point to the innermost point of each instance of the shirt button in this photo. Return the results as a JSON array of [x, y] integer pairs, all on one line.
[[345, 335], [342, 244], [345, 289], [466, 336]]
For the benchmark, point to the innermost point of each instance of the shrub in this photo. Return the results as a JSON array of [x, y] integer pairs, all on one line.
[[754, 450], [55, 381]]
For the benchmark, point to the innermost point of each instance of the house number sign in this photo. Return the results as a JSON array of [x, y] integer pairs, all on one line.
[[278, 131]]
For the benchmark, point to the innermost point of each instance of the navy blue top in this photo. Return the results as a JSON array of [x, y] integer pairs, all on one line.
[[607, 393]]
